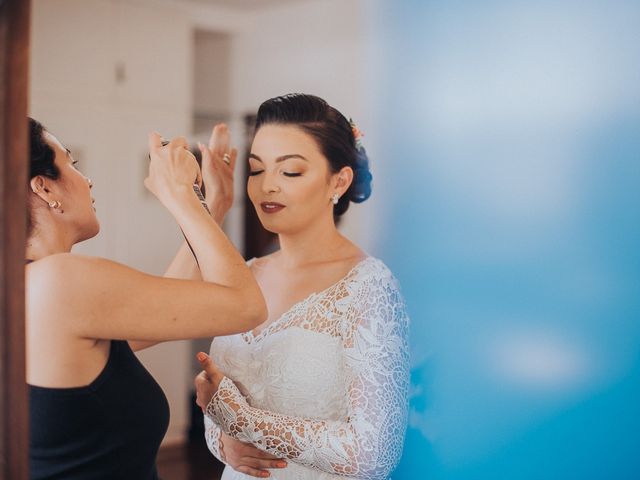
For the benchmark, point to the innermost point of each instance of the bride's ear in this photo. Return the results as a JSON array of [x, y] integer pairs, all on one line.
[[343, 180]]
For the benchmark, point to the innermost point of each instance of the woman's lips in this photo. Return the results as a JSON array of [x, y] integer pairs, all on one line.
[[271, 207]]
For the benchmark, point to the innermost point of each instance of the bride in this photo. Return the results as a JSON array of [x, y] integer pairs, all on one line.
[[319, 390]]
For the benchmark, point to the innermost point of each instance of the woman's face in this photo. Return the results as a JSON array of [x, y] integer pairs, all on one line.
[[289, 184], [73, 190]]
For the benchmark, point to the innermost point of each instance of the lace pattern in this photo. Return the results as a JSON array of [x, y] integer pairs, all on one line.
[[350, 422], [212, 434]]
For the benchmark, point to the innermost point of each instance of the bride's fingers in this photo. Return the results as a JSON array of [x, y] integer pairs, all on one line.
[[262, 464], [257, 453], [254, 472]]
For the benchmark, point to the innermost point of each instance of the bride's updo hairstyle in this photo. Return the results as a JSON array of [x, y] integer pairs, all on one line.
[[337, 138]]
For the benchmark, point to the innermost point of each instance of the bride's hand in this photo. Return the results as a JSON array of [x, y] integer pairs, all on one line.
[[207, 381], [247, 459], [242, 457], [171, 168], [217, 173]]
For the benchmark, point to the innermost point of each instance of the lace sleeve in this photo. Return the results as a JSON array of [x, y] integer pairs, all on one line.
[[368, 443], [212, 434]]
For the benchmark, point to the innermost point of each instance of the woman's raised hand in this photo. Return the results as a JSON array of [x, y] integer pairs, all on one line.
[[218, 165], [171, 168]]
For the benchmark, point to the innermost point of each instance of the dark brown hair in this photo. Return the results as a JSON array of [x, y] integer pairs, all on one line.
[[41, 159]]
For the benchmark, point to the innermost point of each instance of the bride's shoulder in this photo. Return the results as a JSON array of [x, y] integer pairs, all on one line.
[[260, 262], [372, 268]]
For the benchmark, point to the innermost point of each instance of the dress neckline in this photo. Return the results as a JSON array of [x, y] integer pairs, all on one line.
[[249, 337]]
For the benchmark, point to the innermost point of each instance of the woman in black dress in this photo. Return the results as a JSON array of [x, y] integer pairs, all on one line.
[[95, 412]]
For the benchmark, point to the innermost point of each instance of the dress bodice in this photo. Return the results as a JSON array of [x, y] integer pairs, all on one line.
[[338, 361]]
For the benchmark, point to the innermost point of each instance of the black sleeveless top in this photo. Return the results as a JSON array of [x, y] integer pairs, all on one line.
[[110, 429]]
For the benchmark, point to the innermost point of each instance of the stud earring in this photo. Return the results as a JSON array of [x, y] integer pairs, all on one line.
[[54, 204], [335, 198]]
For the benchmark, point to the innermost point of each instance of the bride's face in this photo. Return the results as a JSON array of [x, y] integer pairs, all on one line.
[[289, 184]]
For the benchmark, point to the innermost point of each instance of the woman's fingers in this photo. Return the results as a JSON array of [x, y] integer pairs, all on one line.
[[206, 156], [155, 141], [179, 142], [234, 157], [219, 140]]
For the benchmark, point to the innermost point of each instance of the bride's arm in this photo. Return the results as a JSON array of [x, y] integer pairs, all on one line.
[[242, 457], [369, 442], [212, 434]]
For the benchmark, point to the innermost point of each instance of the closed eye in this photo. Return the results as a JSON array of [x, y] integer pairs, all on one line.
[[256, 172], [287, 174]]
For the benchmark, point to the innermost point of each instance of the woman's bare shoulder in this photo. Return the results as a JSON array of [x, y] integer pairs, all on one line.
[[68, 268], [60, 277]]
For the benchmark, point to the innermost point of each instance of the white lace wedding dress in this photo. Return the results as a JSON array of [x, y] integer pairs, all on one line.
[[324, 386]]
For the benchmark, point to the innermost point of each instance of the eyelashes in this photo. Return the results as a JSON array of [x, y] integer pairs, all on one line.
[[286, 174]]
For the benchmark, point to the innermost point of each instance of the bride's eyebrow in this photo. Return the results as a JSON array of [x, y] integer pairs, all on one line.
[[281, 158], [287, 157]]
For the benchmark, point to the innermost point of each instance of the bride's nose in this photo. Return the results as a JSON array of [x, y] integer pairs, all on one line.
[[269, 186]]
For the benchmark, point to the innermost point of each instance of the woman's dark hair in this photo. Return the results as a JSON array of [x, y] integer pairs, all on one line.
[[41, 153], [42, 157], [333, 133]]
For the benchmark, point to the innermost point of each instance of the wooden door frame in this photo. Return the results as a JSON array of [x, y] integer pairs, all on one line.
[[14, 85]]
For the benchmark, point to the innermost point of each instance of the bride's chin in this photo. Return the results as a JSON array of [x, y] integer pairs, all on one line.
[[271, 228], [277, 228]]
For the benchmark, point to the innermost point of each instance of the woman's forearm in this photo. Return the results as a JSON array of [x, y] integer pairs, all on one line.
[[219, 262], [184, 264]]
